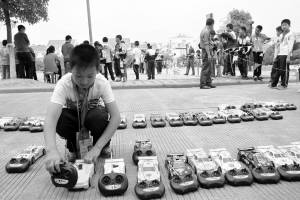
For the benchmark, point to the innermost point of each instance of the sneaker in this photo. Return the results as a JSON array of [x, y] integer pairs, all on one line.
[[106, 152], [280, 87], [205, 87], [211, 86], [71, 157], [259, 78], [255, 78], [245, 78]]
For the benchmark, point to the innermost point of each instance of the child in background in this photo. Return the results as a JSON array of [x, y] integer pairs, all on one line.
[[82, 101], [5, 61], [230, 31], [136, 53], [243, 43]]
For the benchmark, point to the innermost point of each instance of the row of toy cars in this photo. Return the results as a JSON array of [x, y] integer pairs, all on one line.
[[32, 124]]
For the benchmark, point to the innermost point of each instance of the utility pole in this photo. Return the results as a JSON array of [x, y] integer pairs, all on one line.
[[89, 20]]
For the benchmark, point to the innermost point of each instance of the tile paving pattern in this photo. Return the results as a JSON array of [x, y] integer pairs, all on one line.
[[36, 184]]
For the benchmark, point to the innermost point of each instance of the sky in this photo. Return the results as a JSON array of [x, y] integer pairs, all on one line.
[[151, 21]]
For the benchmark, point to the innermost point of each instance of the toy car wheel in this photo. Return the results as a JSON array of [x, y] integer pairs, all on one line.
[[220, 170], [169, 176], [44, 151], [32, 160], [195, 170], [238, 157], [90, 184]]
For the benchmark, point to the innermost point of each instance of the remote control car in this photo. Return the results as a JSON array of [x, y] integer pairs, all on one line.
[[290, 106], [231, 117], [290, 172], [235, 110], [37, 125], [74, 176], [26, 123], [149, 184], [174, 119], [4, 120], [253, 110], [272, 114], [12, 125], [208, 173], [236, 173], [280, 106], [204, 120], [123, 123], [270, 105], [217, 119], [180, 173], [114, 180], [157, 120], [21, 162], [189, 119], [142, 148], [139, 121], [262, 168]]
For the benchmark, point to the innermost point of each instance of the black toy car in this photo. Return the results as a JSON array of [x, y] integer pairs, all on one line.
[[180, 173], [142, 148], [263, 169]]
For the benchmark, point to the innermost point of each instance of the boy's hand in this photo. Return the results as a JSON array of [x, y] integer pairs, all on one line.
[[92, 155], [288, 59], [53, 160]]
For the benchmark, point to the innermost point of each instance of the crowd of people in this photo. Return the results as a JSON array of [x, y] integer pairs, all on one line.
[[229, 49]]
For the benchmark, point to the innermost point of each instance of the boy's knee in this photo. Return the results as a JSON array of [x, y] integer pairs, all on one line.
[[97, 117]]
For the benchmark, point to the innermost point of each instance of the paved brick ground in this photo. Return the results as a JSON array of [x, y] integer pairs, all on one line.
[[36, 184]]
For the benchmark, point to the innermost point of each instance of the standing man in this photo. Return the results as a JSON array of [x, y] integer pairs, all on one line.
[[137, 54], [258, 40], [21, 43], [109, 56], [190, 63], [243, 44], [66, 50], [120, 52], [159, 59], [150, 57], [207, 46], [32, 54]]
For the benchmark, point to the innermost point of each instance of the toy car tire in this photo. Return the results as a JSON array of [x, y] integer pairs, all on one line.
[[32, 160], [113, 188], [185, 187], [211, 182], [239, 180], [266, 178], [139, 124], [289, 175], [18, 166], [150, 193]]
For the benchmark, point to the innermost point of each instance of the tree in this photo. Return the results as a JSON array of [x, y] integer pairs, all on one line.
[[241, 18], [31, 11]]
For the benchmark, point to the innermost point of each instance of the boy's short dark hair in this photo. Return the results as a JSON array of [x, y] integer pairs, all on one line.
[[198, 51], [4, 43], [20, 27], [83, 56], [260, 27], [119, 36], [279, 29], [68, 37], [96, 43], [105, 39], [212, 32], [243, 28], [287, 21], [136, 43], [229, 26], [86, 42], [210, 21]]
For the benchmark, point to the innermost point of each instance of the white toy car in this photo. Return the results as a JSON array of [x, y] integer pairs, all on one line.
[[174, 119], [292, 152], [85, 174], [114, 180], [230, 116], [217, 119], [200, 161], [223, 159], [275, 155], [32, 153], [4, 120], [139, 121]]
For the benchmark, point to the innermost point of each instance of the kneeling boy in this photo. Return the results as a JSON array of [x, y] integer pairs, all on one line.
[[82, 101]]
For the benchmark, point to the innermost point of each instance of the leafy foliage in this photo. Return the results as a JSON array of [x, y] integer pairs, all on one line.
[[240, 18]]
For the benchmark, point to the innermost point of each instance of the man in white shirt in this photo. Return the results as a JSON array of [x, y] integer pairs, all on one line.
[[109, 56], [282, 61], [136, 53], [230, 30]]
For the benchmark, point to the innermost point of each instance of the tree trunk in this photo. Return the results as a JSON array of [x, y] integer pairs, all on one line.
[[9, 41]]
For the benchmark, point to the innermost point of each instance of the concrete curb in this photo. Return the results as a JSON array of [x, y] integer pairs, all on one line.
[[153, 85]]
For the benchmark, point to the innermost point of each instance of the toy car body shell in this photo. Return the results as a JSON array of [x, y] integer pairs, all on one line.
[[157, 120], [230, 116], [189, 119], [17, 165], [275, 155], [204, 120], [149, 184], [291, 151], [181, 175], [139, 121], [123, 123], [142, 148], [208, 173], [12, 125], [263, 169], [26, 124], [4, 120], [32, 153], [37, 125], [66, 178], [174, 119], [217, 119], [114, 180], [85, 174]]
